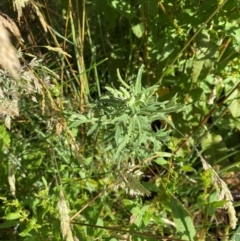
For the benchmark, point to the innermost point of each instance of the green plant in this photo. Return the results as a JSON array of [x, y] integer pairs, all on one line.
[[148, 154]]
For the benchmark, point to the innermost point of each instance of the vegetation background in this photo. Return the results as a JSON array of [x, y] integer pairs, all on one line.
[[124, 123]]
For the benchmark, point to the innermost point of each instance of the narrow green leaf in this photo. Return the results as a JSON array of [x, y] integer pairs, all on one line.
[[45, 182], [121, 80], [93, 129], [187, 168], [81, 121], [164, 154], [138, 85], [121, 146]]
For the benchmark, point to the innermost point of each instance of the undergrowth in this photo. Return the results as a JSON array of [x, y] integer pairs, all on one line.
[[120, 120]]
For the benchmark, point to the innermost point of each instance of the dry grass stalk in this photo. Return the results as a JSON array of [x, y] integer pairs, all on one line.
[[19, 5], [225, 193], [8, 55], [40, 16], [9, 109], [11, 179], [64, 218], [11, 25]]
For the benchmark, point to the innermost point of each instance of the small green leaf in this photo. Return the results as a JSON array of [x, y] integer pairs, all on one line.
[[138, 30], [88, 160], [129, 204], [187, 168]]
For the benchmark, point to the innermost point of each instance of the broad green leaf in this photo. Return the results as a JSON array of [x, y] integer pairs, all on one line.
[[236, 34], [74, 132], [142, 215], [4, 135], [196, 71], [236, 235], [146, 216], [213, 203], [161, 161], [150, 186], [9, 224], [183, 221], [138, 219], [138, 30], [234, 106]]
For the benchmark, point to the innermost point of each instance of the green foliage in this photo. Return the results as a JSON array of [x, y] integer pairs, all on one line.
[[183, 221], [85, 157], [125, 117]]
